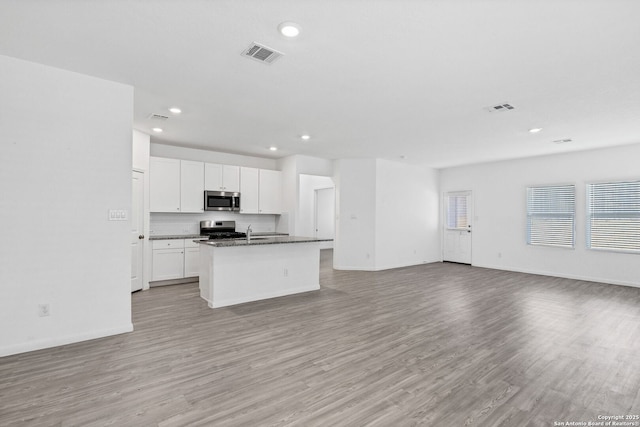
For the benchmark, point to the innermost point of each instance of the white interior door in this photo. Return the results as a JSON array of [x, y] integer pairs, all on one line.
[[325, 213], [457, 227], [137, 229]]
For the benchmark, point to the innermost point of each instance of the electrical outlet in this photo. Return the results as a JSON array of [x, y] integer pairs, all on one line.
[[286, 272], [44, 310]]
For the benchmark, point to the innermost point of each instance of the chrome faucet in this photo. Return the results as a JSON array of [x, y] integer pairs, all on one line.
[[249, 230]]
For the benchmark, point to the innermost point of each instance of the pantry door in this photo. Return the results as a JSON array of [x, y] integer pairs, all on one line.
[[137, 229]]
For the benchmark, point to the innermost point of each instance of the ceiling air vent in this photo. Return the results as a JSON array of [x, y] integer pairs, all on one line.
[[261, 53], [158, 117], [500, 107], [562, 141]]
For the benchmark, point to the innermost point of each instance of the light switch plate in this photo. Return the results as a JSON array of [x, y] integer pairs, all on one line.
[[118, 215]]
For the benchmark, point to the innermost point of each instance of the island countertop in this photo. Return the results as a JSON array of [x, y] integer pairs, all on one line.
[[274, 240], [200, 236]]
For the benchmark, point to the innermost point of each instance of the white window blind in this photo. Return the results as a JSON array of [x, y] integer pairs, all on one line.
[[613, 216], [457, 212], [551, 215]]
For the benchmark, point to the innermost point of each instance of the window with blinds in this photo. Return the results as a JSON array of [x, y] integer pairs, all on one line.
[[613, 216], [551, 212], [457, 212]]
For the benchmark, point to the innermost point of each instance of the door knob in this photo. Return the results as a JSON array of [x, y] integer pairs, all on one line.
[[141, 236]]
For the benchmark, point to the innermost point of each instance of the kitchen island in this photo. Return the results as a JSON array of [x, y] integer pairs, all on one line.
[[240, 270]]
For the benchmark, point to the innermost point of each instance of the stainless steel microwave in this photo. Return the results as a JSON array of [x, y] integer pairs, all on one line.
[[221, 201]]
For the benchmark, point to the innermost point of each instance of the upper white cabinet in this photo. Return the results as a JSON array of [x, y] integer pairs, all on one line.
[[260, 191], [248, 190], [176, 185], [179, 185], [191, 186], [270, 192], [164, 185], [221, 177]]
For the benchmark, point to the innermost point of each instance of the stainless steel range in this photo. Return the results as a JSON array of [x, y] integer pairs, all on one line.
[[220, 230]]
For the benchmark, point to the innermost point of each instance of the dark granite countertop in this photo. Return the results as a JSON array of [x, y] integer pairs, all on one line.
[[176, 236], [257, 240], [197, 236]]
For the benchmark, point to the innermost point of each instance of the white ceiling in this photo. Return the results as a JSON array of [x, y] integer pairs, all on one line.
[[365, 78]]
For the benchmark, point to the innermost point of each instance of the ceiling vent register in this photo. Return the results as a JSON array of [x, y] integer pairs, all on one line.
[[158, 117], [500, 107], [261, 53]]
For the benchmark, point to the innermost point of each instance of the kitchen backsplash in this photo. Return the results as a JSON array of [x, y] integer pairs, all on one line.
[[162, 224]]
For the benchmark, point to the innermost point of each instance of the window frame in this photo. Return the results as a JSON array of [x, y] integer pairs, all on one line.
[[528, 216], [587, 215], [447, 195]]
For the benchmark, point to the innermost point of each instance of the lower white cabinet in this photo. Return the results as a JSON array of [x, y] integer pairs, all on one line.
[[191, 259], [174, 259]]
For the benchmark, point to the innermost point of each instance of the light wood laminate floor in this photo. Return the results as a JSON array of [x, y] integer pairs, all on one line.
[[433, 345]]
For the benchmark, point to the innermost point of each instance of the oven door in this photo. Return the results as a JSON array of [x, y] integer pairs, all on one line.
[[219, 201]]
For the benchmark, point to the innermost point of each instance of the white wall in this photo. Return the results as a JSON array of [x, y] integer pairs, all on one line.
[[306, 202], [286, 223], [354, 245], [292, 167], [181, 223], [499, 236], [183, 153], [387, 215], [407, 215], [314, 165], [65, 160], [141, 150]]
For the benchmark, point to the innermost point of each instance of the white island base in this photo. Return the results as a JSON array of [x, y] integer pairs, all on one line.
[[237, 274]]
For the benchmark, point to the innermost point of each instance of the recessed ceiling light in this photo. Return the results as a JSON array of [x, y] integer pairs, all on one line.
[[289, 29], [305, 137], [535, 130], [157, 130], [175, 110], [273, 148]]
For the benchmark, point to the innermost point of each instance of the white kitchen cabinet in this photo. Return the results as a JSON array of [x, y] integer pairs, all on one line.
[[269, 192], [175, 259], [221, 177], [191, 258], [176, 185], [168, 259], [191, 186], [249, 190], [260, 191], [164, 185]]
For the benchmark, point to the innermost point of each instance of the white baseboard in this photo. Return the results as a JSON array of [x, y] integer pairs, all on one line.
[[384, 267], [58, 341], [263, 296], [561, 275]]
